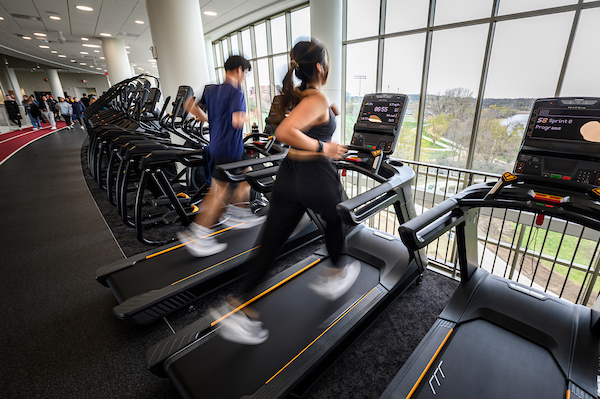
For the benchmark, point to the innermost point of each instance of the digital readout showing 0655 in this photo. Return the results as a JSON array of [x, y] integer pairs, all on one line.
[[380, 113]]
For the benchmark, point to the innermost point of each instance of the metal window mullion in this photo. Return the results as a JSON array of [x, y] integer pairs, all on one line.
[[344, 61], [380, 49], [565, 63], [270, 58], [482, 82], [424, 79], [256, 81]]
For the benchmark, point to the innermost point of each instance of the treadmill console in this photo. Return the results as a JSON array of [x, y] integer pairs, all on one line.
[[562, 141], [379, 122], [183, 93]]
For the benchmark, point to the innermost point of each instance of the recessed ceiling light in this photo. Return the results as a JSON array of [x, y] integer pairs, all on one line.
[[1, 18], [55, 17], [84, 8], [101, 58], [85, 39], [73, 61], [40, 34], [91, 66], [152, 60], [54, 52], [127, 47], [44, 46], [96, 51], [128, 52], [26, 38], [133, 64], [62, 56], [90, 45], [82, 63], [98, 68], [105, 34], [83, 52], [139, 22], [210, 13]]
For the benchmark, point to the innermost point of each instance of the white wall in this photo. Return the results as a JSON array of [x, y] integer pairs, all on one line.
[[35, 81]]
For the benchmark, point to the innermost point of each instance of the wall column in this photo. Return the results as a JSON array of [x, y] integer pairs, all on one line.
[[117, 61], [55, 85], [326, 25], [178, 38], [15, 84]]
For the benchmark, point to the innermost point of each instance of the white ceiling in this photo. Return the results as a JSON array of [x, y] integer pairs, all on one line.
[[116, 17]]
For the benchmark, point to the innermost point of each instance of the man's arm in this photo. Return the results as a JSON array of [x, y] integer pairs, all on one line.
[[195, 110]]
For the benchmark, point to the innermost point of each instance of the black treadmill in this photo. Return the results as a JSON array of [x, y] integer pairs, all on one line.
[[156, 283], [498, 338], [307, 332]]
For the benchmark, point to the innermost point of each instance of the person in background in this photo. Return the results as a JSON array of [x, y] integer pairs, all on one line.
[[48, 109], [66, 110], [308, 130], [36, 114], [226, 108], [78, 108], [85, 100], [92, 99], [14, 113], [69, 100], [27, 110]]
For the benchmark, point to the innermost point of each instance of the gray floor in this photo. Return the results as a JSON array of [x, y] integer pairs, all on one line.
[[59, 338]]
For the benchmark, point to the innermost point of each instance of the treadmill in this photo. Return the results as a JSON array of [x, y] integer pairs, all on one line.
[[307, 331], [498, 338]]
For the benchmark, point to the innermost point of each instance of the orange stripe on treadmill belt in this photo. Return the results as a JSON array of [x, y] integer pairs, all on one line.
[[414, 388], [242, 306], [320, 335], [215, 265], [568, 394], [181, 245]]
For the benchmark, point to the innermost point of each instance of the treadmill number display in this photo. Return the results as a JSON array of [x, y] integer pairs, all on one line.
[[384, 112]]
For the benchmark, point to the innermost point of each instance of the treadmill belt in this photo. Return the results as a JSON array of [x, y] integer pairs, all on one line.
[[173, 266], [295, 317], [482, 360]]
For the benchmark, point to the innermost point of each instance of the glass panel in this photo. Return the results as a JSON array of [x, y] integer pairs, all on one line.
[[454, 75], [235, 49], [218, 59], [280, 68], [581, 77], [449, 11], [514, 6], [246, 44], [260, 38], [265, 87], [225, 50], [403, 15], [362, 18], [402, 71], [519, 72], [361, 76], [220, 75], [251, 95], [300, 25], [278, 35]]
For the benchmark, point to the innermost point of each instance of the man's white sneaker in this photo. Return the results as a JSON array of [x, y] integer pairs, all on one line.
[[240, 218], [239, 328], [198, 241], [334, 287]]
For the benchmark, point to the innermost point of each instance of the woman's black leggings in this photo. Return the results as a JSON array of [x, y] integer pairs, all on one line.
[[299, 185]]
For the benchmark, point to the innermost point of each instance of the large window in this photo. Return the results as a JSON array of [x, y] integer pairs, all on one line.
[[471, 70]]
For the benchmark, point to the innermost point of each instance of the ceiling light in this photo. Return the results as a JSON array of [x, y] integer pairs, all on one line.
[[105, 34], [82, 63], [128, 52], [133, 64], [99, 68], [210, 13], [54, 52], [101, 58], [90, 45], [91, 66], [83, 52], [96, 51], [1, 18], [55, 17], [44, 46], [85, 39], [40, 34], [73, 61], [139, 22], [152, 60], [26, 38], [127, 47], [62, 56], [84, 8]]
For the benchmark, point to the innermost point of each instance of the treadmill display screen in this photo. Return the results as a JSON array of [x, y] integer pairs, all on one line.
[[381, 112], [571, 124]]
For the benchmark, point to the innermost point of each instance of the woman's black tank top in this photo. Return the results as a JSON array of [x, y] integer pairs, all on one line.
[[324, 131]]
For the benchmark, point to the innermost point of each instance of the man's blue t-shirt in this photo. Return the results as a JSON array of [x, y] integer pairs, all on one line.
[[226, 143]]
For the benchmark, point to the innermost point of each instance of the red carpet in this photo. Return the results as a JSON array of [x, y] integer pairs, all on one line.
[[13, 141]]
